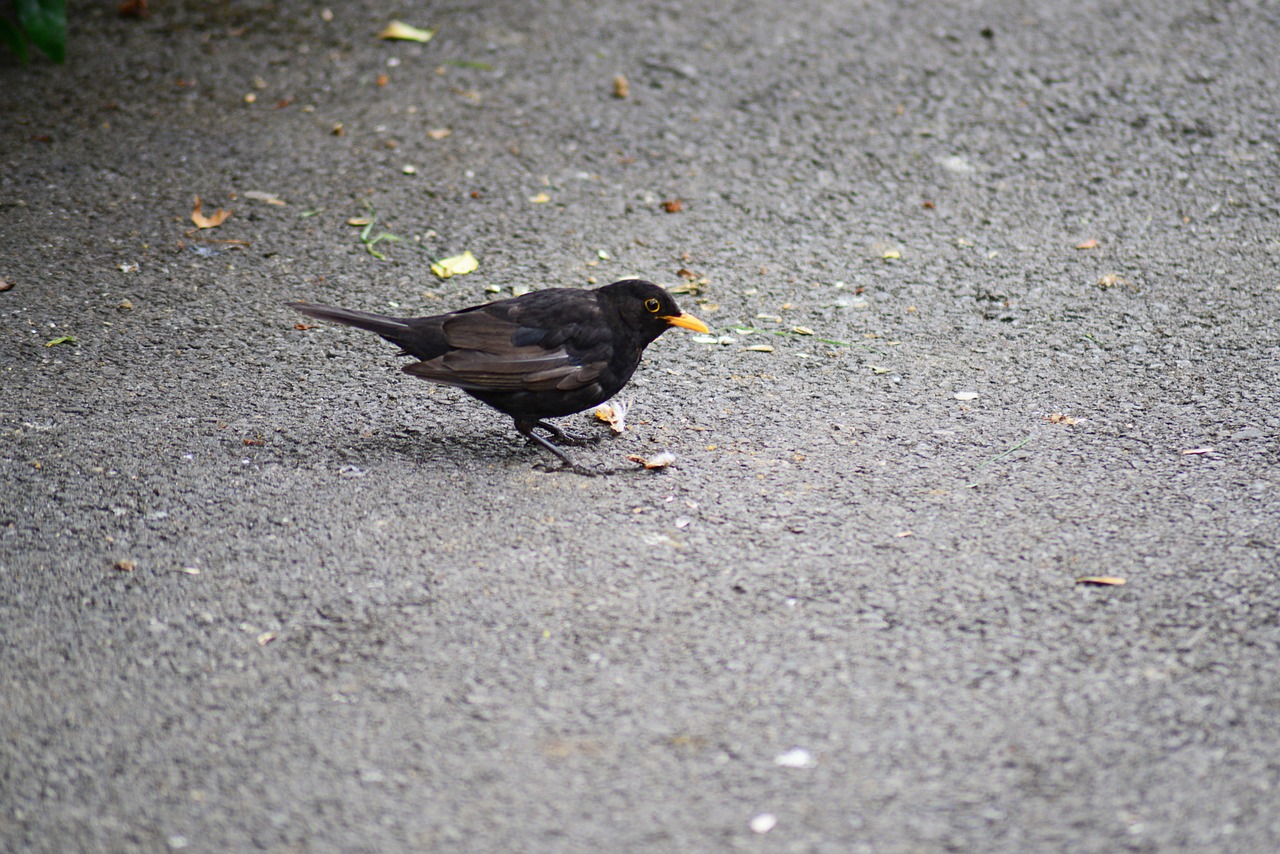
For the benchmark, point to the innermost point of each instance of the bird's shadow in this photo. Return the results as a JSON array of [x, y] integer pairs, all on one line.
[[484, 450]]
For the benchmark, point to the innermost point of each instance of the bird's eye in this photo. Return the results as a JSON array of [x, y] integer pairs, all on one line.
[[652, 305]]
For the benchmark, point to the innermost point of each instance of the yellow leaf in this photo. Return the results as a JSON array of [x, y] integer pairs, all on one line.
[[891, 254], [759, 348], [458, 265], [404, 32], [214, 220], [540, 199], [1091, 243]]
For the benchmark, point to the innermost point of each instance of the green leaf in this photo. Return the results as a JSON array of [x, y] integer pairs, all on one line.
[[65, 339], [46, 24], [12, 38]]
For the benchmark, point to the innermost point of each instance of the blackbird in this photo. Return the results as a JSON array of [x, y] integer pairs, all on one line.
[[542, 355]]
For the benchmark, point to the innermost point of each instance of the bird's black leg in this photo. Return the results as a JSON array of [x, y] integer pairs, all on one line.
[[525, 428], [564, 436]]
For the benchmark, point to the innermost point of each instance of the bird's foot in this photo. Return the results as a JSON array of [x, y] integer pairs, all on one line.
[[564, 437]]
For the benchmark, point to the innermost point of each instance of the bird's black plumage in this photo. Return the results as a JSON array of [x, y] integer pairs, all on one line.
[[542, 355]]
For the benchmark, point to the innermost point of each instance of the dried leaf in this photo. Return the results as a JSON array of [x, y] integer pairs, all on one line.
[[124, 565], [267, 198], [662, 459], [621, 88], [1059, 418], [439, 133], [6, 284], [360, 221], [1101, 580], [1190, 451], [1111, 280], [759, 348], [802, 330], [404, 32], [673, 205], [458, 265], [214, 220], [615, 415], [1091, 243]]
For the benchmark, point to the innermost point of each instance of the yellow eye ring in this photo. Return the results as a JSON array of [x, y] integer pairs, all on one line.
[[652, 305]]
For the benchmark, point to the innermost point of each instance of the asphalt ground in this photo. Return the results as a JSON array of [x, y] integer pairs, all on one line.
[[1011, 271]]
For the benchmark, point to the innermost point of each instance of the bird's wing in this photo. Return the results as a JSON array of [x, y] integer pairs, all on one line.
[[492, 352]]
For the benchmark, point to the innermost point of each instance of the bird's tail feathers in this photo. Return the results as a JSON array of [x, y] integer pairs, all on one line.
[[388, 327]]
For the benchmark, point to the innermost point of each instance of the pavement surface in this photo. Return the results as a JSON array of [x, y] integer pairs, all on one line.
[[260, 590]]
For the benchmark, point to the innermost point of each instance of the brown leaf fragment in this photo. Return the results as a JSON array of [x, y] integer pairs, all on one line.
[[621, 88], [124, 565], [439, 133], [6, 284], [303, 327], [673, 205], [1101, 580], [1091, 243], [382, 80], [214, 220], [1059, 418]]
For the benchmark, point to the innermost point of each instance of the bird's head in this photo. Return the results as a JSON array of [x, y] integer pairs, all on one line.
[[649, 307]]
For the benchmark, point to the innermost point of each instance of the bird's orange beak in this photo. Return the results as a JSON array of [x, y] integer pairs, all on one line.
[[687, 321]]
